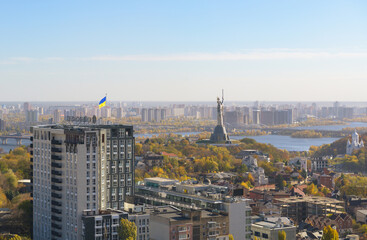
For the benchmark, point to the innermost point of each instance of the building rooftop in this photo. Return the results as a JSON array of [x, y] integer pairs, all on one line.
[[272, 225], [310, 199], [159, 179]]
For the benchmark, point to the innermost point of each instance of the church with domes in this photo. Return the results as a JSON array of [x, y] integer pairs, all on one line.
[[355, 144]]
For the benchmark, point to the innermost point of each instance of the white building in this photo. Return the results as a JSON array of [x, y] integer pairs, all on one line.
[[239, 213], [361, 216], [299, 162], [355, 144], [260, 177], [269, 230], [77, 168]]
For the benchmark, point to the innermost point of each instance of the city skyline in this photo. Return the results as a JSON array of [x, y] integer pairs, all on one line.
[[188, 51]]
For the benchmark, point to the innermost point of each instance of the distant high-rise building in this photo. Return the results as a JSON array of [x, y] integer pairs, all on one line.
[[119, 112], [256, 116], [2, 125], [57, 116], [144, 115], [150, 115], [78, 168], [27, 106], [267, 117], [106, 112], [32, 116]]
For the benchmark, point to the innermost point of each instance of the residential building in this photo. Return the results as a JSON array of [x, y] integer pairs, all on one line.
[[170, 223], [57, 116], [101, 225], [269, 230], [76, 168], [2, 125], [161, 191], [343, 222], [319, 164], [299, 208], [32, 116], [141, 218]]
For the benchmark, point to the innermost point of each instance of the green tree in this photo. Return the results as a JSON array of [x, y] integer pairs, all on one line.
[[127, 230], [330, 234], [282, 235]]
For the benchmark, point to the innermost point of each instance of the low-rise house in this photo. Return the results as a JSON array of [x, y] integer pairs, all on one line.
[[151, 159], [298, 162], [343, 222]]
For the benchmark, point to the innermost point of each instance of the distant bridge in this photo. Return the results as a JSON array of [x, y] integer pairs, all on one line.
[[18, 137]]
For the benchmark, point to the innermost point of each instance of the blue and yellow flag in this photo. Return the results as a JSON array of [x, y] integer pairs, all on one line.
[[102, 103]]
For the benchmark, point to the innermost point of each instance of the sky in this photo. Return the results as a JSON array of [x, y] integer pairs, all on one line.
[[184, 50]]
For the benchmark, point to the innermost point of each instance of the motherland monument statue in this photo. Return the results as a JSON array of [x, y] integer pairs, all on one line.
[[220, 135]]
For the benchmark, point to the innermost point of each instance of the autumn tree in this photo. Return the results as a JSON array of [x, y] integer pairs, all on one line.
[[127, 230], [330, 234], [230, 237], [282, 235]]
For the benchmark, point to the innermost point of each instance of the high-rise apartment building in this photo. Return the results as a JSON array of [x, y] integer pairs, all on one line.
[[78, 168], [32, 116], [57, 116]]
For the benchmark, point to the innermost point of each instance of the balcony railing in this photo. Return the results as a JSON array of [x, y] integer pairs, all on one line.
[[56, 165], [56, 180], [54, 172], [56, 226], [56, 195], [57, 234], [55, 210], [55, 157], [56, 142], [55, 218], [56, 188], [55, 149], [56, 203]]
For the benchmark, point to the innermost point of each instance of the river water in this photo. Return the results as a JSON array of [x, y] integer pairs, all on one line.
[[281, 142]]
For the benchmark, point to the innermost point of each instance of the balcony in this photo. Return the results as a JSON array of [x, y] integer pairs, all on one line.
[[56, 203], [182, 229], [57, 173], [56, 142], [56, 180], [55, 218], [56, 165], [55, 157], [57, 234], [56, 188], [56, 226], [56, 195], [55, 149], [55, 210]]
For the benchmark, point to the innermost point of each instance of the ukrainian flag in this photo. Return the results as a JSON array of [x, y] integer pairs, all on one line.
[[102, 103]]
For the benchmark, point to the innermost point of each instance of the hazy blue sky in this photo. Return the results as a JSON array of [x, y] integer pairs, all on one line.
[[183, 50]]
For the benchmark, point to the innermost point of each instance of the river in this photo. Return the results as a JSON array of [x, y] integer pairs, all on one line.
[[281, 142]]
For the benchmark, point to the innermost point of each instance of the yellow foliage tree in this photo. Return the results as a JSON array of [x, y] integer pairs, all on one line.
[[330, 234], [282, 235]]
